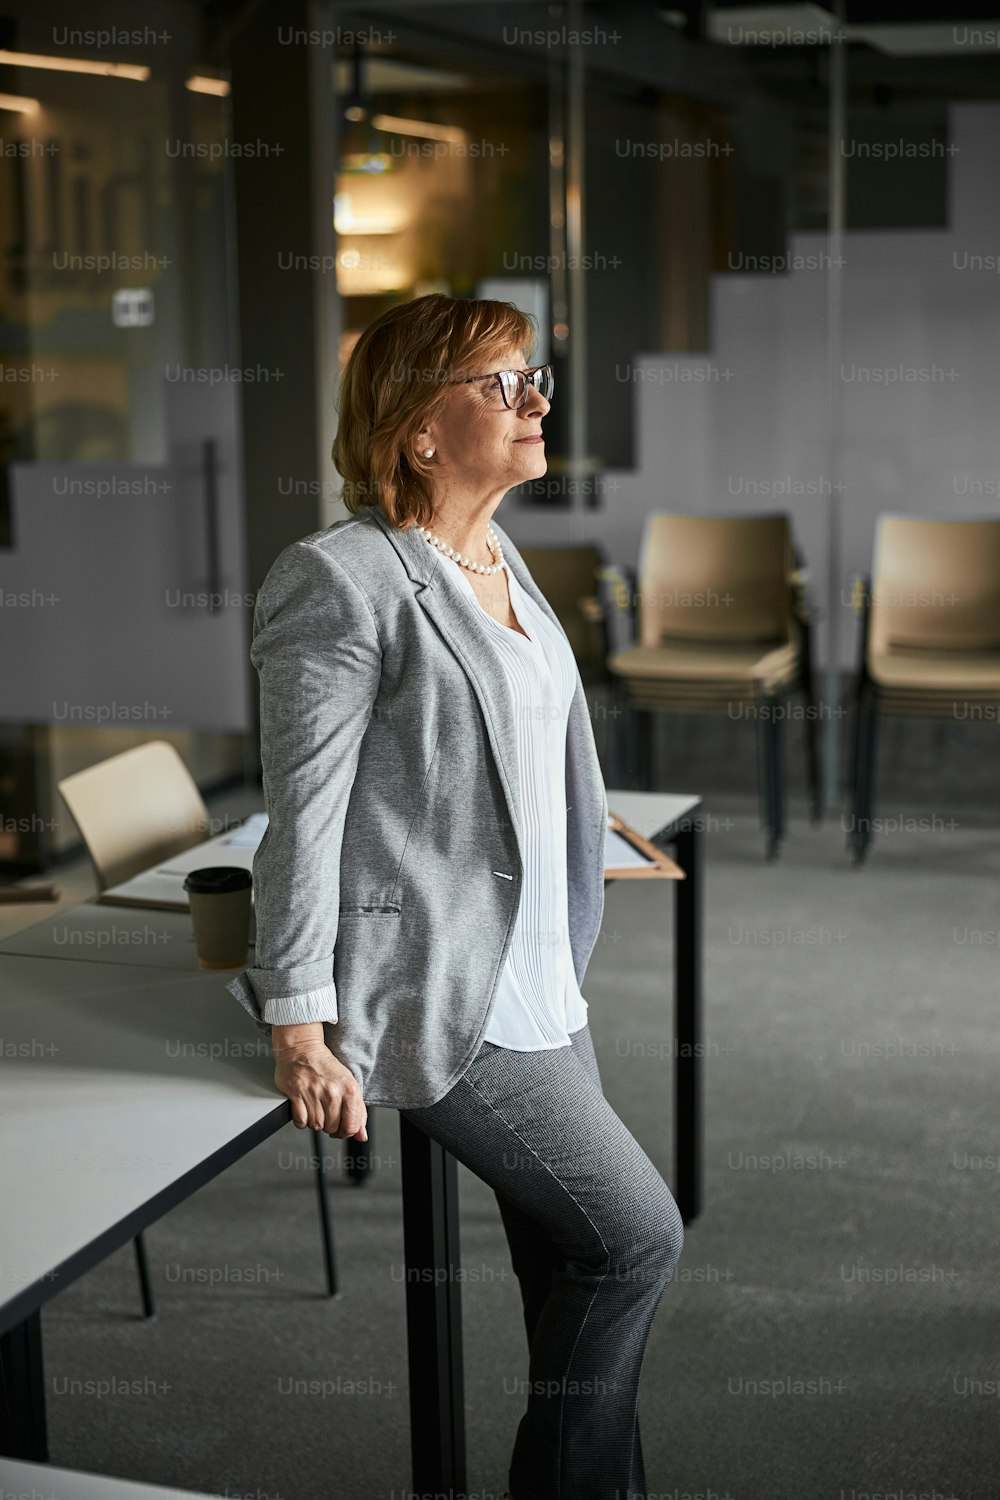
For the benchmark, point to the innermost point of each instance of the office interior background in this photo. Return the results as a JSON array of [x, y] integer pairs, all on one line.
[[762, 246]]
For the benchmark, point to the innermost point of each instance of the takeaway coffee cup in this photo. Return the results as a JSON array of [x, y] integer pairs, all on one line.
[[220, 910]]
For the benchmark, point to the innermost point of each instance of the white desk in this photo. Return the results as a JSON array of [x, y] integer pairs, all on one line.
[[163, 885], [96, 932], [158, 1042], [650, 813], [139, 1054], [120, 935], [41, 1482], [95, 1053]]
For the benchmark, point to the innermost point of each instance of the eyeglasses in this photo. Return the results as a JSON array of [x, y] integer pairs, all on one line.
[[514, 384]]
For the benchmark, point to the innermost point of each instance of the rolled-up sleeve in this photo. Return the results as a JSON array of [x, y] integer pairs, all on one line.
[[317, 655]]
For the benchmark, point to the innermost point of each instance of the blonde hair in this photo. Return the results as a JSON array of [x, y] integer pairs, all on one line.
[[394, 383]]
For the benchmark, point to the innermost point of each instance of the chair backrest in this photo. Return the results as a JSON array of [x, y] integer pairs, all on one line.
[[135, 809], [566, 575], [935, 585], [715, 578]]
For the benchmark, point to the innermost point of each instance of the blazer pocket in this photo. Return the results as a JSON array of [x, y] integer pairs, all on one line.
[[370, 911]]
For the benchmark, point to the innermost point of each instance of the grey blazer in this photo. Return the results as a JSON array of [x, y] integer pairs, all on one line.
[[390, 868]]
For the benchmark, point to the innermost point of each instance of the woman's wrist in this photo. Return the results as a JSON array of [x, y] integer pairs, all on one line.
[[303, 1037]]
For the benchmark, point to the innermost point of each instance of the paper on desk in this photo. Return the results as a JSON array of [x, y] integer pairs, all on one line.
[[249, 833], [162, 887], [620, 853]]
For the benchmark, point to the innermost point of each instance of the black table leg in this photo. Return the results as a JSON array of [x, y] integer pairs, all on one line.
[[320, 1143], [22, 1392], [433, 1313], [687, 1017]]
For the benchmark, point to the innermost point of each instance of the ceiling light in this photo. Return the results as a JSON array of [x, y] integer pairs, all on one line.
[[19, 104], [425, 128], [199, 84], [378, 217], [137, 73]]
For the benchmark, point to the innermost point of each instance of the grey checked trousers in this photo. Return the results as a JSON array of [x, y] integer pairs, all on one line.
[[594, 1235]]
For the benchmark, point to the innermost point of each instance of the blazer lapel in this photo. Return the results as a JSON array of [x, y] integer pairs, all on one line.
[[516, 564], [471, 647]]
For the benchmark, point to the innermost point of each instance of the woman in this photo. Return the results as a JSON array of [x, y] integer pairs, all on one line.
[[431, 883]]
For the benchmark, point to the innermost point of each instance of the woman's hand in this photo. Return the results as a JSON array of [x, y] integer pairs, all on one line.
[[324, 1094]]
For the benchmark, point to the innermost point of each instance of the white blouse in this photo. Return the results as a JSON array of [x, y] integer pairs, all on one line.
[[538, 1002]]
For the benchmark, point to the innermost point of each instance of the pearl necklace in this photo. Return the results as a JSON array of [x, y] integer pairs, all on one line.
[[484, 568]]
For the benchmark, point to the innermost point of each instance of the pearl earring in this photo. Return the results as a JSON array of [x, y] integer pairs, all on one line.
[[428, 452]]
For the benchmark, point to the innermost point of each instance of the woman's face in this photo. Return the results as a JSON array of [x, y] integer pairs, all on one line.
[[479, 444]]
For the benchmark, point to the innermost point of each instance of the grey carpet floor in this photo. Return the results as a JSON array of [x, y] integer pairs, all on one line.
[[833, 1330]]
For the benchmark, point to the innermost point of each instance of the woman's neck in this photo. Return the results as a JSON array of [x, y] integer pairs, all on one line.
[[465, 533]]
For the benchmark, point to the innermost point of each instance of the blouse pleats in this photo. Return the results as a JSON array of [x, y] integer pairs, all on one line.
[[538, 1002]]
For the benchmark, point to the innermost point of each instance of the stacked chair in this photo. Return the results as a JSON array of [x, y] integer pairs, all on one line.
[[719, 623], [930, 638]]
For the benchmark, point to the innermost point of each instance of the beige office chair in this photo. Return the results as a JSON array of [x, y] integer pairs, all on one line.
[[720, 620], [930, 639], [567, 576], [133, 810], [136, 809]]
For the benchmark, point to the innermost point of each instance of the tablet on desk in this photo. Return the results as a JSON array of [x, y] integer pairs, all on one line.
[[628, 855]]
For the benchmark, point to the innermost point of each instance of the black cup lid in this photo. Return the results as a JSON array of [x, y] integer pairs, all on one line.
[[218, 880]]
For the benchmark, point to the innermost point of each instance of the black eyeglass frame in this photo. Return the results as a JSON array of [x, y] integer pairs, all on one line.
[[525, 376]]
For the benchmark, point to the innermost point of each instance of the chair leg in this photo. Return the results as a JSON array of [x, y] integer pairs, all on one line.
[[778, 762], [813, 773], [857, 775], [630, 739], [765, 781], [609, 712], [145, 1283], [618, 736], [647, 734], [872, 774], [325, 1215], [763, 786], [638, 748], [865, 760], [773, 775]]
